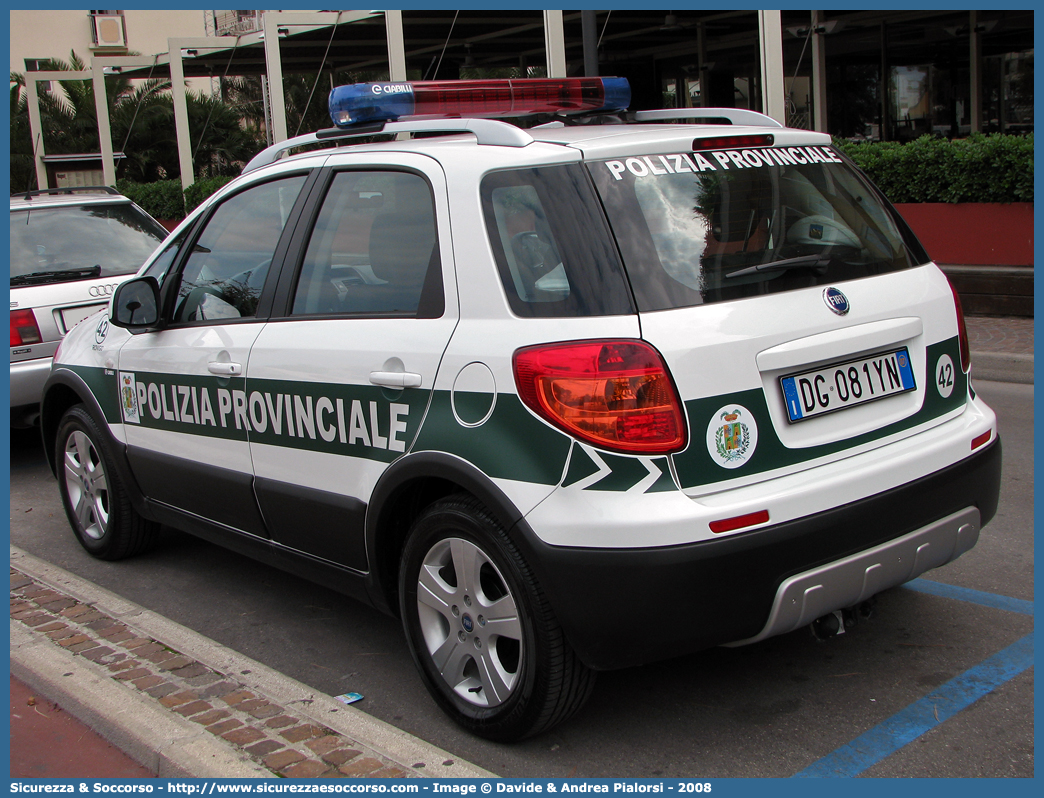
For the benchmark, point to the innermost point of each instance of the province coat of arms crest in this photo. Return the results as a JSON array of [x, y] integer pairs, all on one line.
[[732, 436]]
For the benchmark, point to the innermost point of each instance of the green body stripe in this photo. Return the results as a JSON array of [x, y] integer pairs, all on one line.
[[626, 473], [512, 444], [581, 466], [381, 424], [104, 384], [666, 481], [695, 466]]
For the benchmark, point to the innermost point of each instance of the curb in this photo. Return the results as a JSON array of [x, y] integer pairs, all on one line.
[[1002, 367], [211, 712]]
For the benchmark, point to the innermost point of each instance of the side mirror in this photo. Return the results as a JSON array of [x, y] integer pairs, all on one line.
[[135, 305]]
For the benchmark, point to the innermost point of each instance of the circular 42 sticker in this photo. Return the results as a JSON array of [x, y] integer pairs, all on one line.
[[944, 376], [732, 436]]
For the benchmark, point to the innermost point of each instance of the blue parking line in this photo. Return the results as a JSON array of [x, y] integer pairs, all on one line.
[[974, 596], [923, 715]]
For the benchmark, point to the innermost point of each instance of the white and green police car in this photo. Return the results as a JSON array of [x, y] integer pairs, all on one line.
[[590, 394]]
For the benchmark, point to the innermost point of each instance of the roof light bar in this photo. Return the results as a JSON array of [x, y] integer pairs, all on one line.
[[372, 102]]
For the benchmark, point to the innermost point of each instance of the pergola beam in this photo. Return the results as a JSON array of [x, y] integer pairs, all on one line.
[[773, 91], [32, 97]]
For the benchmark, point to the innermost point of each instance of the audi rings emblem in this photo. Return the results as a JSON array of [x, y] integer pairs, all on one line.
[[102, 290]]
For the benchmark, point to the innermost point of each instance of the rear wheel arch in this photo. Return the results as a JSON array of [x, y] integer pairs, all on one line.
[[405, 490]]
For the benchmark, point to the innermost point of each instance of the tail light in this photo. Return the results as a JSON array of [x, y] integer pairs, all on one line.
[[962, 332], [24, 329], [616, 395]]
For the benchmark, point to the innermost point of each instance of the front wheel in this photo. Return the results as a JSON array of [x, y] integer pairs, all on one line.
[[94, 498], [482, 634]]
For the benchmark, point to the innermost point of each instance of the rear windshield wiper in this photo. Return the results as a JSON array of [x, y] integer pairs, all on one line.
[[57, 275], [817, 262]]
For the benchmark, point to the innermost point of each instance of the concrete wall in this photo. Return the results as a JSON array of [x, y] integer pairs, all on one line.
[[52, 34]]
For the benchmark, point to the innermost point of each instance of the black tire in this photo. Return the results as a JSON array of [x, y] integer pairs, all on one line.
[[93, 495], [503, 677]]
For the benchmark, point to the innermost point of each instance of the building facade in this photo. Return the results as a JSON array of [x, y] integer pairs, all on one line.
[[861, 74]]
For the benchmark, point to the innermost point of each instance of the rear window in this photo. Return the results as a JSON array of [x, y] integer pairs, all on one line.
[[85, 241], [553, 249], [703, 227]]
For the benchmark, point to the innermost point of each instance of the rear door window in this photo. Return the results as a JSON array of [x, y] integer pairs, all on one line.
[[374, 249]]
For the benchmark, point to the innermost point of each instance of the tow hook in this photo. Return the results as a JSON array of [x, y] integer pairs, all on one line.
[[835, 623]]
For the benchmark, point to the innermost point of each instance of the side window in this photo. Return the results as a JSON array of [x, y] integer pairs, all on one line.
[[374, 249], [161, 265], [553, 248], [224, 274], [530, 251]]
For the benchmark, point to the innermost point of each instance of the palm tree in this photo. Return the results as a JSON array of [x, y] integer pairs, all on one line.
[[141, 118]]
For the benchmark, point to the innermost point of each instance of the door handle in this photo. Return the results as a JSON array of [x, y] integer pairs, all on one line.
[[395, 379], [224, 369]]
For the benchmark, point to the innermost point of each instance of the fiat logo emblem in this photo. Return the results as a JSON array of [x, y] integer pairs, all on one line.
[[836, 301]]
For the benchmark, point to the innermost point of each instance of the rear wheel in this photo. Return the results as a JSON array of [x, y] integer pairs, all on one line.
[[484, 638], [94, 498]]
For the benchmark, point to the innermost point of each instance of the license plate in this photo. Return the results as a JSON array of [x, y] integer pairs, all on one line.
[[845, 385], [73, 316]]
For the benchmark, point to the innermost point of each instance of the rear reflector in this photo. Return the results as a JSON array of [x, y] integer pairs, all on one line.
[[24, 329], [616, 395], [982, 439], [739, 522]]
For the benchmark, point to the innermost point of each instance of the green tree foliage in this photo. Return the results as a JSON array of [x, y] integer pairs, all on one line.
[[981, 168], [142, 122]]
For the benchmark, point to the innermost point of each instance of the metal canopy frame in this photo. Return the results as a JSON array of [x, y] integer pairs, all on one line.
[[295, 41]]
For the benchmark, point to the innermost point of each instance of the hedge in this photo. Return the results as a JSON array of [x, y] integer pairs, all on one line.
[[161, 200], [164, 199], [202, 189], [981, 168]]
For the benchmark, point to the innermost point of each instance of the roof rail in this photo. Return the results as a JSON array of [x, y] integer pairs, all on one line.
[[72, 190], [488, 132], [736, 116]]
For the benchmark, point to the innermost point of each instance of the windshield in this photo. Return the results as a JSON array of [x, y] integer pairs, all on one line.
[[704, 227], [78, 242]]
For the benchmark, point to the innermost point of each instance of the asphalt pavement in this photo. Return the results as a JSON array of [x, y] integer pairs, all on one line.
[[102, 687]]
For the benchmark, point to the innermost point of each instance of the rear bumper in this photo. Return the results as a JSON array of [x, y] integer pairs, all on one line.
[[624, 607], [27, 380]]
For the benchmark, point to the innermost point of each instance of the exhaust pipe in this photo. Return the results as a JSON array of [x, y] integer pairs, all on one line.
[[835, 623]]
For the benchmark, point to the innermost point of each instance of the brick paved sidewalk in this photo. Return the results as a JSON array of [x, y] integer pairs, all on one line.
[[1009, 334], [280, 739]]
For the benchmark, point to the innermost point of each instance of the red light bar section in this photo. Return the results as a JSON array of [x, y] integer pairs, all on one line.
[[507, 98], [739, 522], [733, 142]]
